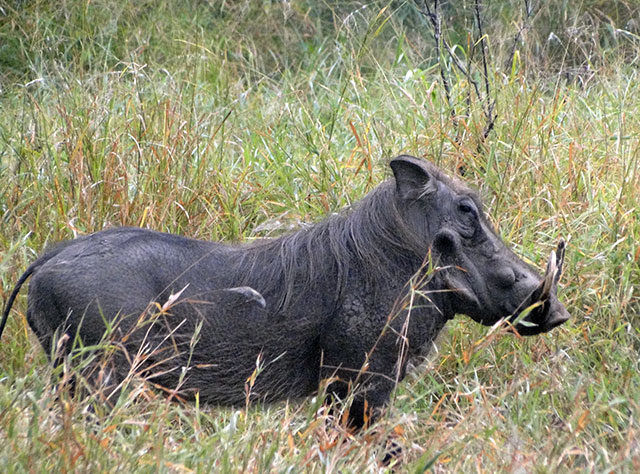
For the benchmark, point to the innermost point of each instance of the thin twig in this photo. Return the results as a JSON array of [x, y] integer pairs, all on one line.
[[465, 72], [489, 103], [434, 18], [471, 50]]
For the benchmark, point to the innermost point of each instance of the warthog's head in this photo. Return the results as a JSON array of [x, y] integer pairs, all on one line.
[[478, 274]]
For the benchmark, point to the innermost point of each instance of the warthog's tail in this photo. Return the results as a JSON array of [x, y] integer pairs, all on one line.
[[14, 293], [32, 268]]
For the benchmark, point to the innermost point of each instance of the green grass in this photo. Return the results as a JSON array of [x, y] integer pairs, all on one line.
[[237, 120]]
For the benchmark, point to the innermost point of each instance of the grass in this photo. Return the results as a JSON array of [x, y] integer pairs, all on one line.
[[238, 120]]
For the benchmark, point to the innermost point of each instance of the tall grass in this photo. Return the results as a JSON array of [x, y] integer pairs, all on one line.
[[239, 120]]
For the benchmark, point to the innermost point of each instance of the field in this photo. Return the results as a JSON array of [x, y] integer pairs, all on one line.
[[240, 120]]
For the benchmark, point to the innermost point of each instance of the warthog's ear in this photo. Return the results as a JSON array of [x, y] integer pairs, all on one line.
[[413, 179]]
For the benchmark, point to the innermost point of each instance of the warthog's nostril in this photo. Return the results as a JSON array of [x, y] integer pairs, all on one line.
[[506, 277], [445, 241], [558, 314]]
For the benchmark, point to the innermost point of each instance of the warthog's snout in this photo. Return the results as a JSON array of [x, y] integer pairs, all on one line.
[[543, 309]]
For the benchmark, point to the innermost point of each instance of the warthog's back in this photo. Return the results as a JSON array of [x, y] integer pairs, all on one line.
[[127, 275]]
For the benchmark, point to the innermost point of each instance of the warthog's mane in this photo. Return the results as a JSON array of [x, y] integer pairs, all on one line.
[[371, 238]]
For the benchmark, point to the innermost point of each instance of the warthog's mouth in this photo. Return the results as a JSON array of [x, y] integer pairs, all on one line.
[[543, 311]]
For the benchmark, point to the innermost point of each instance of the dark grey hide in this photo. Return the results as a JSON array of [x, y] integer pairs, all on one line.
[[352, 298]]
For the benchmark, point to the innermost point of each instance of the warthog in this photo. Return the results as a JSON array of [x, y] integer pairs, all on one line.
[[350, 300]]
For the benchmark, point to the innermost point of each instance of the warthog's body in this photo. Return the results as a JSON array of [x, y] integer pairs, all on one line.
[[335, 294]]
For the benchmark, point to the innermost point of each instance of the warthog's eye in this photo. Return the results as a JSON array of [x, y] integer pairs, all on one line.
[[468, 208], [467, 218], [464, 207]]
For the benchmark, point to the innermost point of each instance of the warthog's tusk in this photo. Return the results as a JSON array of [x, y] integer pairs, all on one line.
[[549, 276], [560, 258], [553, 272]]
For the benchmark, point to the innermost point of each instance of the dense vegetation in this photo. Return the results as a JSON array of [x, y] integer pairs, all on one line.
[[243, 119]]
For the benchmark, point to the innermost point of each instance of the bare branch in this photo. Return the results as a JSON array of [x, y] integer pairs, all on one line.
[[436, 22], [482, 91], [434, 17], [489, 104]]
